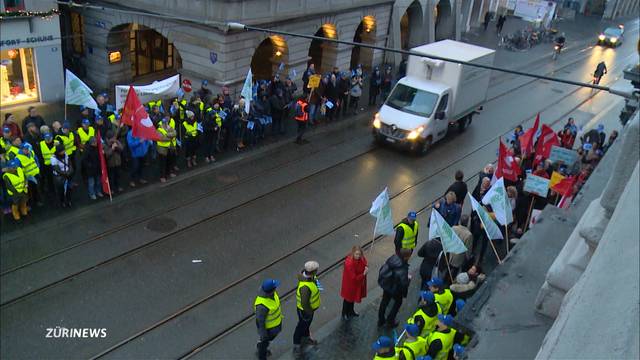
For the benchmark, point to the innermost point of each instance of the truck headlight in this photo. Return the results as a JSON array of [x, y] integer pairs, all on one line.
[[601, 37], [613, 39], [376, 121], [415, 133]]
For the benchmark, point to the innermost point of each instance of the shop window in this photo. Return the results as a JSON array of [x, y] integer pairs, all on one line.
[[13, 5], [77, 31], [18, 82]]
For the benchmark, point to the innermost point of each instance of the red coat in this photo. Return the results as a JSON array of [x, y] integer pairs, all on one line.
[[354, 282]]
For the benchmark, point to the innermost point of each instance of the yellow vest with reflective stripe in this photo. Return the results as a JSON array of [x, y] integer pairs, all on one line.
[[29, 164], [447, 342], [192, 130], [5, 144], [47, 152], [12, 152], [377, 357], [409, 239], [18, 181], [408, 353], [315, 294], [172, 123], [419, 347], [162, 131], [274, 317], [69, 142], [112, 118], [84, 136], [429, 322], [444, 301]]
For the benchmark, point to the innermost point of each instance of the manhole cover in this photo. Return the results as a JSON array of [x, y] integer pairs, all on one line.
[[161, 224]]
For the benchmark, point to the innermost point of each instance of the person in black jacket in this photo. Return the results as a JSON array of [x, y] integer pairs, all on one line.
[[344, 85], [459, 187], [375, 84], [91, 168], [277, 103], [429, 253], [394, 280]]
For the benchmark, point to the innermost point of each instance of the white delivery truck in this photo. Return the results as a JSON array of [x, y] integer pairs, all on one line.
[[434, 95]]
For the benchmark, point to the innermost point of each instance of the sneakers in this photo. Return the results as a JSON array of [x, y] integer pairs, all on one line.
[[173, 175], [132, 184], [163, 180], [100, 194], [92, 197]]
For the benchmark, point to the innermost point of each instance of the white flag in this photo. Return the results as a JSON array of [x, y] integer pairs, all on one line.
[[451, 243], [381, 210], [490, 227], [77, 93], [247, 91], [499, 201], [433, 225]]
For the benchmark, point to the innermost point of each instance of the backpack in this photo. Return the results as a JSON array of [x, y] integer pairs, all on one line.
[[299, 112]]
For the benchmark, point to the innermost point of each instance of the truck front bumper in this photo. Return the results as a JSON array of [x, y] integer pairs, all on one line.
[[397, 138]]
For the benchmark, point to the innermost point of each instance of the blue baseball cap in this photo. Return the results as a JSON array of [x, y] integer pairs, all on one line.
[[165, 119], [427, 296], [47, 135], [25, 145], [99, 117], [460, 304], [412, 329], [6, 130], [587, 147], [382, 342], [600, 128], [458, 349], [205, 82], [412, 215], [86, 121], [104, 94], [13, 163], [270, 284], [445, 319], [437, 282], [66, 125]]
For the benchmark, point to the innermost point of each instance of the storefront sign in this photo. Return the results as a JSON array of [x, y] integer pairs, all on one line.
[[163, 89], [25, 42]]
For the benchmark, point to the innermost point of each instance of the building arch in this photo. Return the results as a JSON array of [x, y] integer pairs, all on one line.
[[411, 26], [322, 54], [270, 57], [366, 34], [444, 20]]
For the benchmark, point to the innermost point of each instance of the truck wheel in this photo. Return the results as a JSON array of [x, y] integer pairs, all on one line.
[[424, 147], [463, 123], [377, 140]]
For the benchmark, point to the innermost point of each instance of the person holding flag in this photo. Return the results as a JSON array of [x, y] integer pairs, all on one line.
[[501, 205], [491, 230]]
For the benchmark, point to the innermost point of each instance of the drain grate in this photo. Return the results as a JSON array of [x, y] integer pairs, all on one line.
[[161, 224]]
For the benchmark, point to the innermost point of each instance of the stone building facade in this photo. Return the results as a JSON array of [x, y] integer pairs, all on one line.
[[130, 45]]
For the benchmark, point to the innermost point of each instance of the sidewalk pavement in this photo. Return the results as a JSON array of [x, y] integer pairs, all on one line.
[[502, 311]]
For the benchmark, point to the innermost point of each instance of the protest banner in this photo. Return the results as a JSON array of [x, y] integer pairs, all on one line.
[[163, 89], [567, 156]]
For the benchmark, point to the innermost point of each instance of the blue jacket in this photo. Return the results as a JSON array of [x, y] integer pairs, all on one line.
[[450, 212], [138, 147]]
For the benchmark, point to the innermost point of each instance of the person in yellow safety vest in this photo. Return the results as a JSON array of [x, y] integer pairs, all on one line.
[[444, 297], [301, 115], [268, 316], [15, 182], [47, 149], [211, 125], [14, 148], [197, 106], [85, 133], [166, 148], [190, 138], [414, 344], [68, 139], [307, 301], [5, 140], [426, 317], [154, 112], [407, 233], [384, 348], [29, 164], [440, 342]]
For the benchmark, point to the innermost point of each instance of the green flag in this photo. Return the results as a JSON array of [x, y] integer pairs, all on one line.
[[78, 93]]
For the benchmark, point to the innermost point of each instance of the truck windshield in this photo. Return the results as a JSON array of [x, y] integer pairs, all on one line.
[[412, 100]]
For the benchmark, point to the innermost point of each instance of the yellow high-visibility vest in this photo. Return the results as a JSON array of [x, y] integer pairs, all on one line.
[[315, 294], [18, 181], [274, 317]]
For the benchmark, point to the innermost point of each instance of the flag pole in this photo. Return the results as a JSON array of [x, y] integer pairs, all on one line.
[[495, 251], [526, 225], [446, 260]]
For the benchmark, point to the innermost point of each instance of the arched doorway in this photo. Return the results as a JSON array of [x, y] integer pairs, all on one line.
[[322, 54], [270, 57], [475, 12], [411, 26], [445, 25], [146, 51], [366, 34]]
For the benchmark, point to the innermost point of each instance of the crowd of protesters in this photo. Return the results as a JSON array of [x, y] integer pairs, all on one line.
[[448, 280], [46, 161]]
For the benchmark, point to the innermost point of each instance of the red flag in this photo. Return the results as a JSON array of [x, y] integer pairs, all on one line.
[[136, 116], [528, 138], [104, 179], [507, 167], [547, 139], [565, 202], [565, 186]]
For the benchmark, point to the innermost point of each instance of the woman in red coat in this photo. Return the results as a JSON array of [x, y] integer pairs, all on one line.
[[354, 281]]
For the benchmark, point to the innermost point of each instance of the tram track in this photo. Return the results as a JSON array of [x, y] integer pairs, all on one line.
[[229, 329]]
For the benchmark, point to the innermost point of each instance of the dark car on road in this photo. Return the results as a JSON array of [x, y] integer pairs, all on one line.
[[611, 36]]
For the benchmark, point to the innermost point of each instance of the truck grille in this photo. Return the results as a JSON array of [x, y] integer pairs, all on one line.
[[388, 130]]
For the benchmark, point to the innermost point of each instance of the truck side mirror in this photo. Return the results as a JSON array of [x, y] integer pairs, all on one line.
[[439, 115]]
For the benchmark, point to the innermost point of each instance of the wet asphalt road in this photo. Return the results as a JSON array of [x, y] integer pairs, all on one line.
[[251, 219]]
